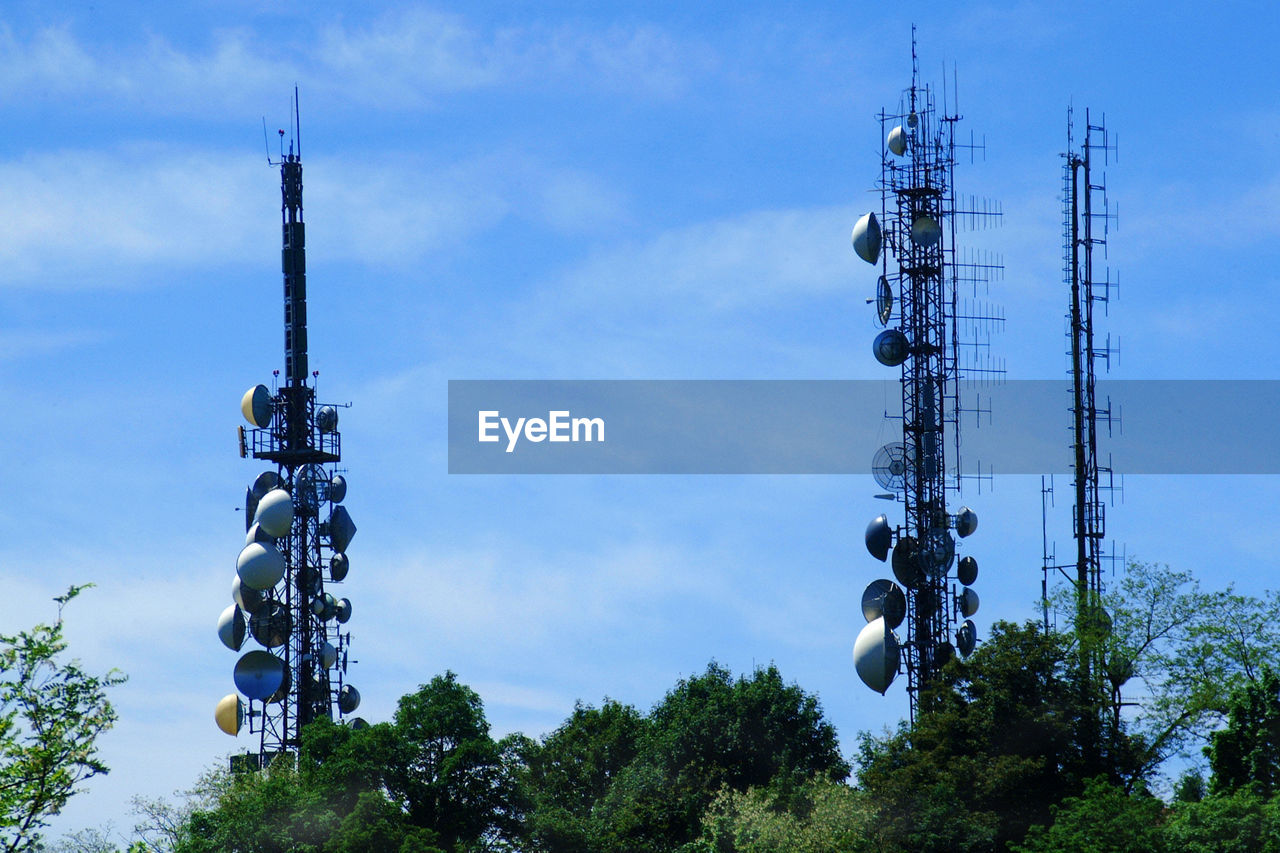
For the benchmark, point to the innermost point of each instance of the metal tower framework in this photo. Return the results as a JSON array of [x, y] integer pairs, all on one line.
[[297, 619], [920, 264], [1086, 219], [1084, 207]]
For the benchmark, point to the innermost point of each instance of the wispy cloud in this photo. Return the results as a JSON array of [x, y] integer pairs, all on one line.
[[18, 344], [94, 219], [399, 60]]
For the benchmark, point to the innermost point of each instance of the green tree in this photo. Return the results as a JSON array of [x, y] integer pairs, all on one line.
[[1104, 818], [1247, 751], [819, 816], [572, 770], [270, 811], [448, 773], [996, 746], [1173, 654], [712, 732], [432, 779], [1190, 788], [1241, 821], [51, 714]]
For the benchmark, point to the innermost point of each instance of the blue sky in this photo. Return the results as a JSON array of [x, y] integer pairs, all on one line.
[[564, 190]]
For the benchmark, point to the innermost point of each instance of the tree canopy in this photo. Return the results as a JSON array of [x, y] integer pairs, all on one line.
[[51, 714]]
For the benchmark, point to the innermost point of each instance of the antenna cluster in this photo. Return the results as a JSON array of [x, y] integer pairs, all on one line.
[[928, 298], [297, 532]]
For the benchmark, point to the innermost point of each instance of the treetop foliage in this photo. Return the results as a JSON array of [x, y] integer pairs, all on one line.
[[51, 714]]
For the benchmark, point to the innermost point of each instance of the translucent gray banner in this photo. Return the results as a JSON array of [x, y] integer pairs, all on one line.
[[836, 426]]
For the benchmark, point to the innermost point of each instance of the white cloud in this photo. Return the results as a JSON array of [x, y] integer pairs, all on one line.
[[82, 218]]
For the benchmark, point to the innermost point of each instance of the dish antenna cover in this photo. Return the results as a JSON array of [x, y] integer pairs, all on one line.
[[341, 528], [260, 566], [898, 141], [250, 507], [966, 522], [259, 674], [343, 611], [348, 699], [879, 537], [891, 348], [249, 599], [327, 419], [337, 488], [866, 238], [876, 655], [229, 714], [925, 230], [265, 482], [906, 563], [938, 553], [339, 565], [968, 601], [884, 300], [884, 598], [328, 656], [324, 606], [967, 638], [275, 513], [255, 405], [967, 571], [231, 628]]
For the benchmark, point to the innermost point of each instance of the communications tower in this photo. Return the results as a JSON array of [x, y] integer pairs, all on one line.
[[1086, 219], [919, 299], [297, 532]]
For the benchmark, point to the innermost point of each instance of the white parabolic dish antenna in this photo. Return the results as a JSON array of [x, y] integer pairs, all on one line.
[[275, 513], [231, 628], [898, 141], [875, 655], [866, 238], [328, 656], [260, 566]]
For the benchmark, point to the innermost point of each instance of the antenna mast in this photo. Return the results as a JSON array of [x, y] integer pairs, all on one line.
[[1086, 219], [921, 215], [296, 529]]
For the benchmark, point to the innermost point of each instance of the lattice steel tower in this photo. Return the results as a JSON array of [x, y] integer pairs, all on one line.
[[297, 532], [920, 264]]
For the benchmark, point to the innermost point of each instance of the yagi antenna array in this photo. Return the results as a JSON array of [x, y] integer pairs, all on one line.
[[297, 532]]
